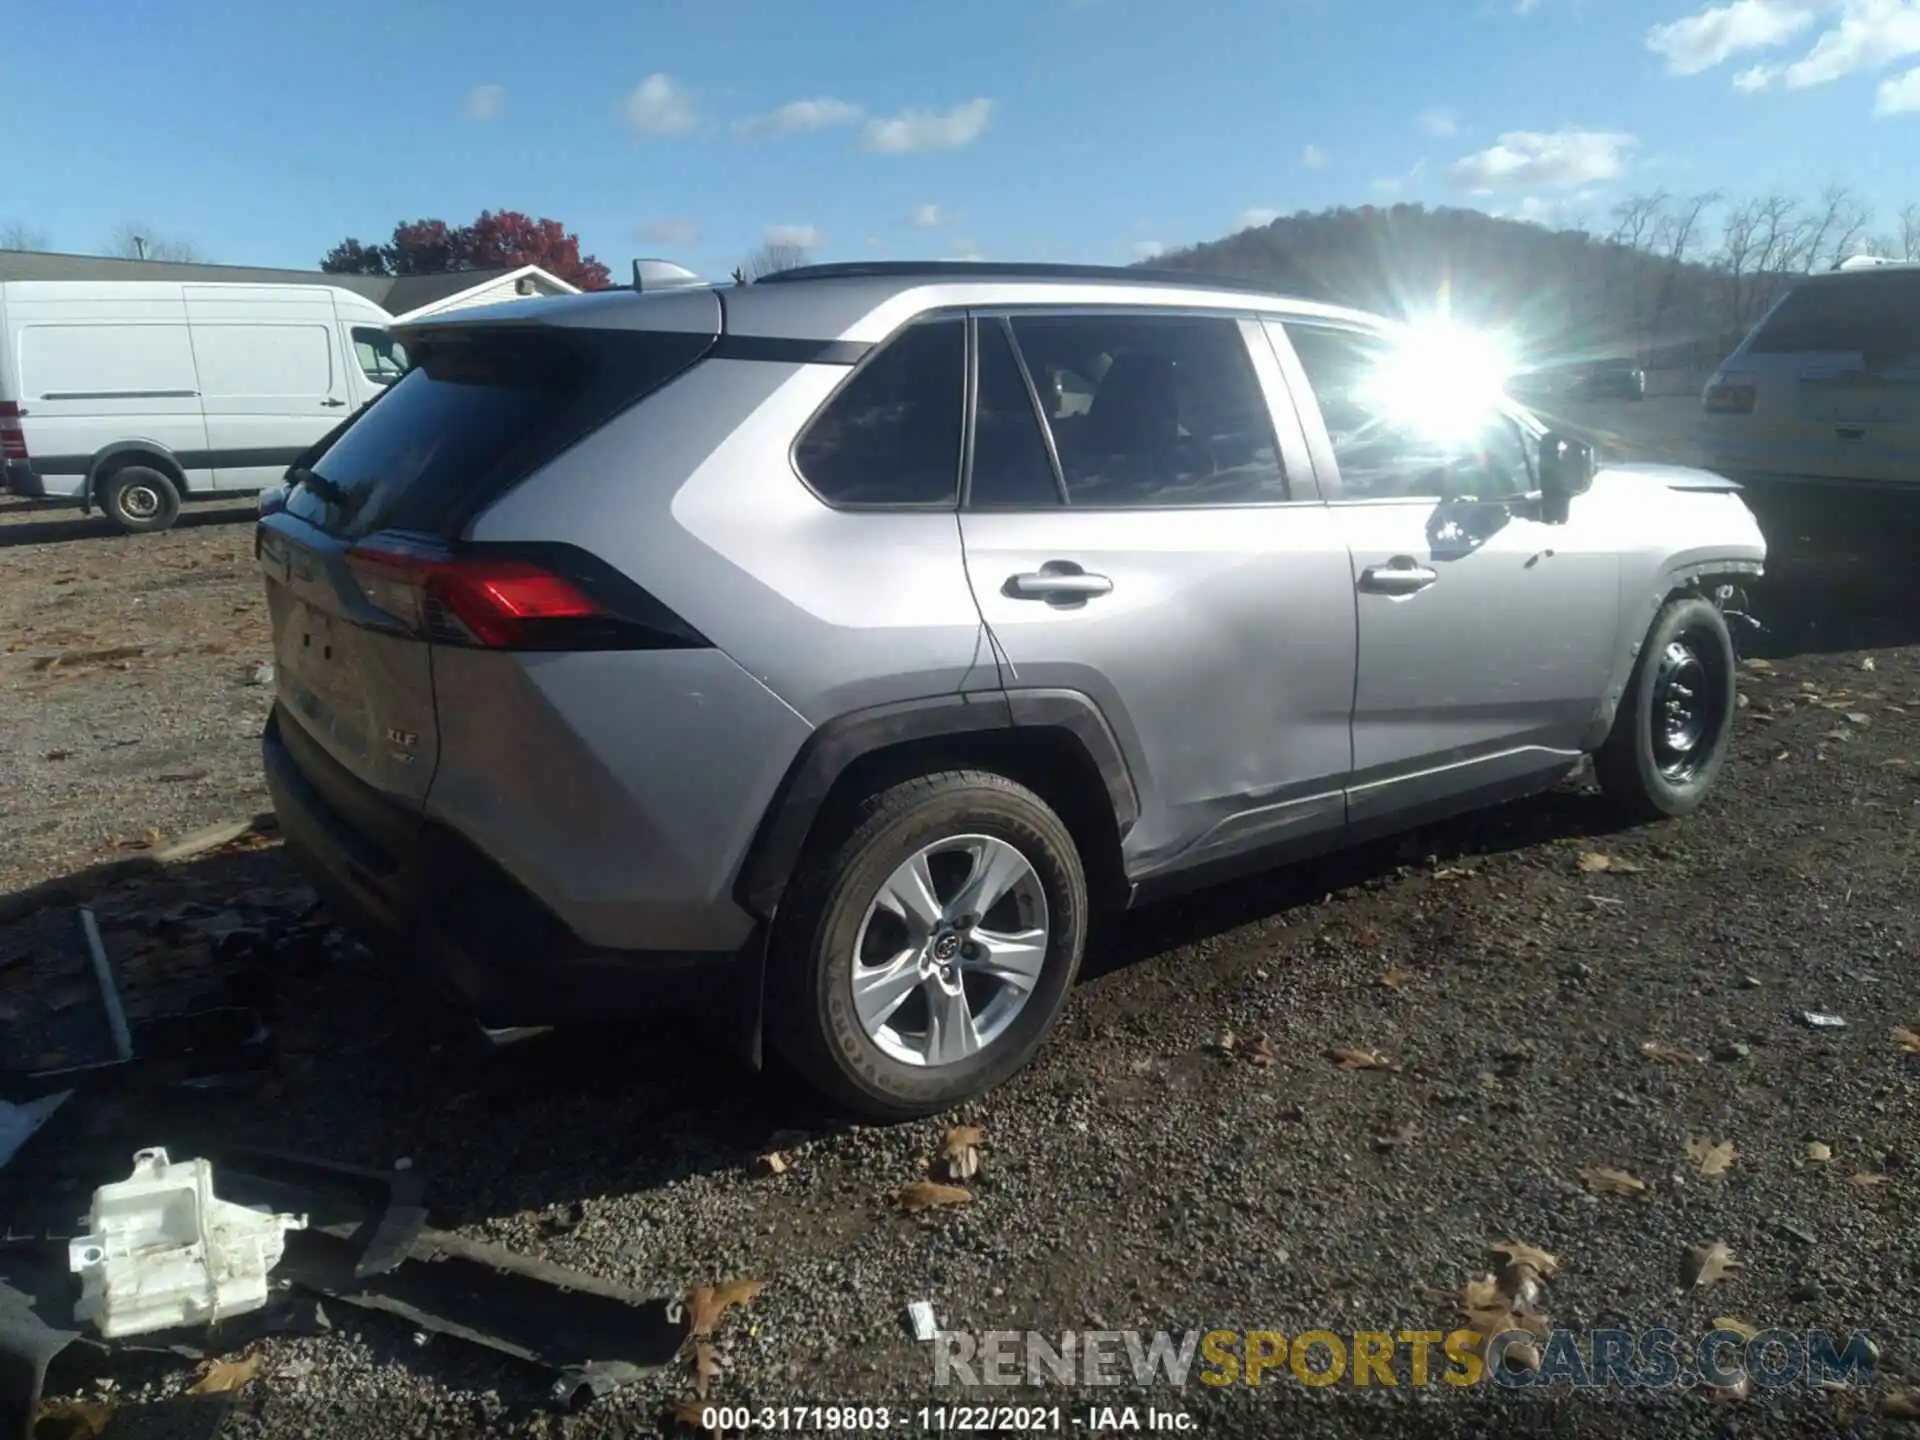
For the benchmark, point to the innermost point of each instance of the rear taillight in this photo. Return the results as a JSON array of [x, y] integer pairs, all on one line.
[[13, 438], [555, 598], [1728, 397]]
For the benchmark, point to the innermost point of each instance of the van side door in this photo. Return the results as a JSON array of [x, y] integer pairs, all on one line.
[[272, 379]]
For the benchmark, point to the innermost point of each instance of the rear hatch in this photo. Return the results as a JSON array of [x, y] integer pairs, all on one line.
[[365, 570], [1835, 376]]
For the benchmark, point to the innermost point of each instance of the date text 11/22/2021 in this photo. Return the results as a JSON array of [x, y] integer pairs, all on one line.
[[940, 1419]]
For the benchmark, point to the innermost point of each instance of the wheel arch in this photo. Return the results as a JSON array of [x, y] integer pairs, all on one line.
[[1691, 577], [122, 453], [1055, 742]]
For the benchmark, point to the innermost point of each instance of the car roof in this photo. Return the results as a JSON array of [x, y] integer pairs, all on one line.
[[866, 302]]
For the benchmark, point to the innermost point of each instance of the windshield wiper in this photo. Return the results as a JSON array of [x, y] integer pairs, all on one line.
[[329, 492]]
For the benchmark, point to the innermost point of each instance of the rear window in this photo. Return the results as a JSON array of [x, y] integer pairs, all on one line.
[[1875, 315], [479, 410]]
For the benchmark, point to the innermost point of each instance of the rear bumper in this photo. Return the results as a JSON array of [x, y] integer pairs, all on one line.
[[17, 478], [422, 890]]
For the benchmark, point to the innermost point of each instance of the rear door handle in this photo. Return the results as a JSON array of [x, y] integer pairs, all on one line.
[[1049, 583], [1399, 576]]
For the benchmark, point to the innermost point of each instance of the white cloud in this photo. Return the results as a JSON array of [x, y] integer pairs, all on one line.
[[800, 117], [1314, 158], [913, 130], [1148, 249], [1389, 185], [1255, 219], [801, 237], [667, 232], [1700, 42], [1871, 33], [1440, 123], [660, 105], [1756, 77], [483, 101], [926, 217], [1898, 96], [1530, 160]]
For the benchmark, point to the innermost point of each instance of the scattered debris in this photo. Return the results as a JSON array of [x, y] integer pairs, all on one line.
[[1604, 1181], [1819, 1152], [1866, 1179], [262, 674], [1256, 1050], [920, 1319], [960, 1151], [1712, 1159], [1818, 1020], [1908, 1037], [1368, 938], [773, 1163], [1733, 1326], [1740, 1389], [223, 1375], [161, 1250], [1708, 1264], [67, 659], [1661, 1053], [1394, 980], [1757, 667], [1859, 717], [1867, 663], [1593, 862], [1349, 1059], [212, 837], [1398, 1139], [929, 1195]]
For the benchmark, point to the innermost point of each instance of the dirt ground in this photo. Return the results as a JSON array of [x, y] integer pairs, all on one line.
[[1139, 1175]]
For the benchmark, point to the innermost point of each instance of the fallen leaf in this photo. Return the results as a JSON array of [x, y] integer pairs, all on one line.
[[1866, 663], [1367, 938], [1865, 1179], [773, 1163], [1709, 1264], [707, 1303], [1603, 1181], [1710, 1158], [1738, 1327], [1481, 1294], [70, 1419], [1758, 667], [1661, 1053], [224, 1375], [1818, 1152], [1728, 1394], [1362, 1060], [1394, 980], [706, 1369], [688, 1414], [960, 1151], [1859, 717], [1909, 1039], [1900, 1405], [1452, 872], [1517, 1259], [927, 1195], [1257, 1050]]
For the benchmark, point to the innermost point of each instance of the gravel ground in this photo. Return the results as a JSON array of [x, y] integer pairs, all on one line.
[[1138, 1175]]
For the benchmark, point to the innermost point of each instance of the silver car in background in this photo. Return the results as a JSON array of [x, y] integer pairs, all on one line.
[[826, 651]]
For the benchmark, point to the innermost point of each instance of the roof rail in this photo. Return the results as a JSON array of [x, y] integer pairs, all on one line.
[[652, 275], [1009, 270]]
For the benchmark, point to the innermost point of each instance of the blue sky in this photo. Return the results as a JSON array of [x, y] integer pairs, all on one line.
[[1010, 129]]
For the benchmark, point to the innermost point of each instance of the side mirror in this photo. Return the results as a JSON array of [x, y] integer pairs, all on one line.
[[1566, 470]]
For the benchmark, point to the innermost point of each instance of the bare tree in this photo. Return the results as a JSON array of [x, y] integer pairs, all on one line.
[[1637, 220], [1738, 257], [132, 240], [774, 256], [1835, 232], [1909, 241], [17, 235], [1676, 236]]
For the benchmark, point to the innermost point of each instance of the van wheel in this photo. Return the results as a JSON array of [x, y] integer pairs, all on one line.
[[922, 955], [139, 501], [1675, 722]]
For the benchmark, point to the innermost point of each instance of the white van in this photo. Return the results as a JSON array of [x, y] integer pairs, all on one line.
[[135, 395], [1826, 390]]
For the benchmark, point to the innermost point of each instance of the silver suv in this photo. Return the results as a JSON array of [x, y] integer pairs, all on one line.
[[829, 650]]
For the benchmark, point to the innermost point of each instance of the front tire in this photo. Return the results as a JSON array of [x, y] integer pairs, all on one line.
[[139, 500], [922, 955], [1675, 722]]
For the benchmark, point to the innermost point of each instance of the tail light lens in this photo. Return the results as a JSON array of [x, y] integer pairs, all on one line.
[[544, 597], [13, 438], [1728, 397]]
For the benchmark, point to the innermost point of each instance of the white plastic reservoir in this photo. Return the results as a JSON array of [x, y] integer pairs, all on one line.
[[161, 1250]]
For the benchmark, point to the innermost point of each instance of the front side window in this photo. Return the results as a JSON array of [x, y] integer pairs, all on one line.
[[1385, 454], [1153, 410], [891, 436], [382, 358]]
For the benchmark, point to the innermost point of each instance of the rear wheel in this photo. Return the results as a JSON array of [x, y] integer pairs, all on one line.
[[139, 500], [1675, 722], [920, 958]]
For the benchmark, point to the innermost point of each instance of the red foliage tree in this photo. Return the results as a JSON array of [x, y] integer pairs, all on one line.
[[503, 239]]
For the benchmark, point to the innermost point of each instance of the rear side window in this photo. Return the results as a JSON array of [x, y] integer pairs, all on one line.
[[1153, 410], [1876, 316], [479, 410], [1011, 468], [891, 436]]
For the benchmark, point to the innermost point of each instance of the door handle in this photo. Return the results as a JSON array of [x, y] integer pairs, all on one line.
[[1399, 576], [333, 404], [1049, 583]]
